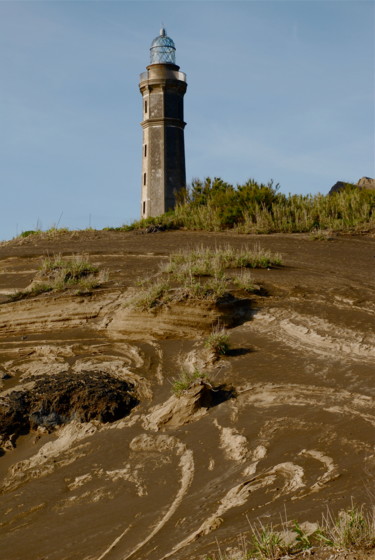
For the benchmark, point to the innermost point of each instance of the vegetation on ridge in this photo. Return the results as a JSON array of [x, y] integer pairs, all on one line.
[[58, 274], [215, 205], [203, 274]]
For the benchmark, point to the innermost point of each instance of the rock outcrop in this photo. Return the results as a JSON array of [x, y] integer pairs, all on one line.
[[365, 183], [61, 398]]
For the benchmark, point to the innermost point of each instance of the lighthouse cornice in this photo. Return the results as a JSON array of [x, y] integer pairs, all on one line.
[[163, 85], [162, 72], [163, 121]]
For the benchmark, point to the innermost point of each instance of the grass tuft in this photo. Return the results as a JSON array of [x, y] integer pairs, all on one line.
[[59, 274], [267, 544], [152, 295], [218, 342], [353, 529], [185, 380], [200, 274], [245, 281]]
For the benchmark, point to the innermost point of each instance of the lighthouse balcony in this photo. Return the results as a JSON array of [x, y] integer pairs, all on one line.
[[160, 71]]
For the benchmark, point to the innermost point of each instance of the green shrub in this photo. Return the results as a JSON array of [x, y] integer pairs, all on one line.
[[185, 380], [29, 232], [214, 205]]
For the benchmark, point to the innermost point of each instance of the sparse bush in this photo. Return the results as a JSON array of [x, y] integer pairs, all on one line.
[[203, 261], [152, 295], [200, 274], [210, 289], [218, 342], [58, 274], [186, 379], [152, 224], [352, 529], [29, 232], [304, 540], [49, 233], [68, 270], [86, 285], [244, 281], [267, 544], [320, 235], [35, 290]]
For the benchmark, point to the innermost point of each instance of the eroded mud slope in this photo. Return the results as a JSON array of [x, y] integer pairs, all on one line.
[[175, 474]]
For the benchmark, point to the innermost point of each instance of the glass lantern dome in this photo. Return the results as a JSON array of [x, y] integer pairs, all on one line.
[[162, 49]]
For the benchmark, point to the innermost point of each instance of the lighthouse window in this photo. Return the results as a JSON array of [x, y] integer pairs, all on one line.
[[145, 106], [144, 178], [144, 207], [145, 150]]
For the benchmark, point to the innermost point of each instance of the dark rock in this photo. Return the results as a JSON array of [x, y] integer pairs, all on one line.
[[14, 414], [366, 183], [155, 228], [210, 396], [340, 186], [63, 397]]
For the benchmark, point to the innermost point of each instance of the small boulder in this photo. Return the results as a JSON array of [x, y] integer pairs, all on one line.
[[366, 183]]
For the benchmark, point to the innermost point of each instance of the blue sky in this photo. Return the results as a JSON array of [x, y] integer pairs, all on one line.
[[277, 89]]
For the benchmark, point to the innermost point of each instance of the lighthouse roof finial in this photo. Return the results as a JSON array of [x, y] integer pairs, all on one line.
[[163, 50]]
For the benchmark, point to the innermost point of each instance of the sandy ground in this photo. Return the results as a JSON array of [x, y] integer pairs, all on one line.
[[174, 476]]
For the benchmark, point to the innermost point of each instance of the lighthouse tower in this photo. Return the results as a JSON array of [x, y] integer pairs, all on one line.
[[163, 88]]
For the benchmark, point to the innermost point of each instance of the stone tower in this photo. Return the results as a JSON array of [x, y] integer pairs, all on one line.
[[163, 152]]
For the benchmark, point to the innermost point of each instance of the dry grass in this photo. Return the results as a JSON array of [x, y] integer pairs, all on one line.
[[214, 205], [203, 261], [218, 342], [59, 274], [353, 529], [200, 274]]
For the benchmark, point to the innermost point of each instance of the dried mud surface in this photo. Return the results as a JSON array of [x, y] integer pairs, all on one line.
[[175, 474]]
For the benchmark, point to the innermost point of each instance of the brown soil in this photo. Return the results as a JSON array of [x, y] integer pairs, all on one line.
[[176, 475]]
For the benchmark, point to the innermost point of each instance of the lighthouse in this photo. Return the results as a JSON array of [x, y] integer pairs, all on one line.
[[163, 87]]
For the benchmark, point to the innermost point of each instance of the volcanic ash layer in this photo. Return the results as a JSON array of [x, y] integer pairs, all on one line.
[[102, 460]]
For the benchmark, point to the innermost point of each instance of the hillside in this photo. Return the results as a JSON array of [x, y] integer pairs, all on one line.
[[285, 425]]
